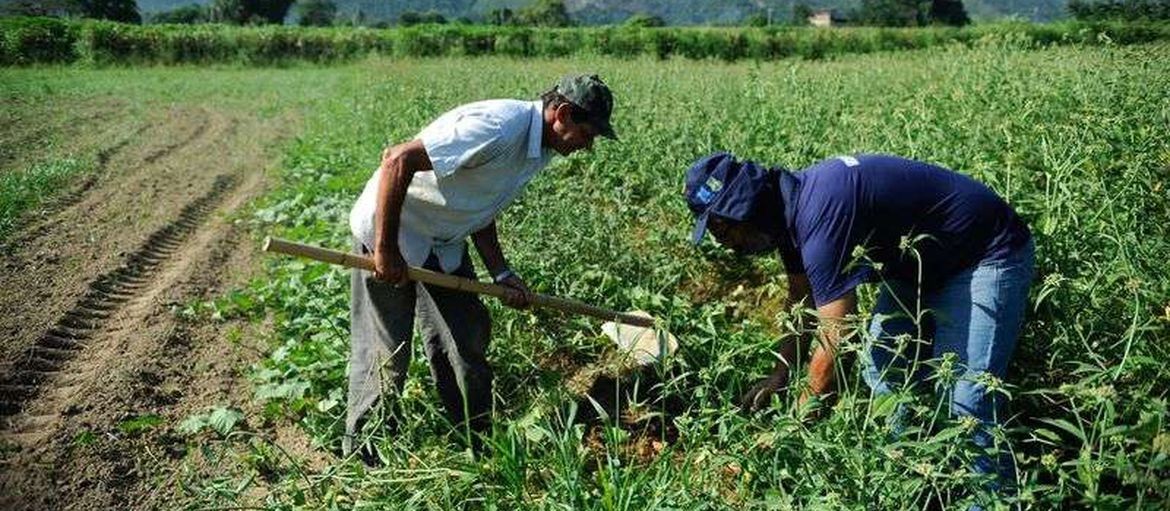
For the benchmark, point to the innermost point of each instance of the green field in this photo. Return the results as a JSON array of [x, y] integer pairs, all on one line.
[[1074, 137]]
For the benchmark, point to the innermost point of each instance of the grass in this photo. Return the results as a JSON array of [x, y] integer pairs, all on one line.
[[1073, 137], [22, 191]]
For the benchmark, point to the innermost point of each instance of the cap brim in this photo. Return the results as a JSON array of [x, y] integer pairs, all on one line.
[[606, 130], [700, 228]]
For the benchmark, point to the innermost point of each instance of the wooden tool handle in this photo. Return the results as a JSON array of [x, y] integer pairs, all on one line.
[[451, 281]]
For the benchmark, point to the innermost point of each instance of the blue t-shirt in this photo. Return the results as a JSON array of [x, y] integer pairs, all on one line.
[[874, 201]]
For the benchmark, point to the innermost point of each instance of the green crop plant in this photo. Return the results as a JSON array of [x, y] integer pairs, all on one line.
[[1073, 137]]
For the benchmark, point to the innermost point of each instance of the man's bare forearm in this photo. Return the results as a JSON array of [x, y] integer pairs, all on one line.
[[790, 349], [487, 243], [821, 368], [391, 195], [399, 163], [831, 327]]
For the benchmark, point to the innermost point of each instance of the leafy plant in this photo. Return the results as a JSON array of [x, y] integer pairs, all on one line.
[[1064, 133], [222, 420], [140, 424]]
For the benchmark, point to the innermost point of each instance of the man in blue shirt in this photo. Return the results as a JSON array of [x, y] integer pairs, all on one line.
[[952, 259]]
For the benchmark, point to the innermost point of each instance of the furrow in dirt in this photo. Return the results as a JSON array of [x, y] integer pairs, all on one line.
[[56, 347], [91, 341], [68, 246], [168, 149]]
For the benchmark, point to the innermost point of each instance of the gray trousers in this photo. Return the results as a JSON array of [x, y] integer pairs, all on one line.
[[456, 328]]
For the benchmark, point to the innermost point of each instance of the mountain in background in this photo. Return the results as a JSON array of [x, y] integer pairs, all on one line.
[[675, 12], [1035, 10]]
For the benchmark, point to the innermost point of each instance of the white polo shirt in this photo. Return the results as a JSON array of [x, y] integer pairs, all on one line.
[[483, 153]]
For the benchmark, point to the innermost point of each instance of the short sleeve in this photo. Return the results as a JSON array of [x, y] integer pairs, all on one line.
[[830, 271], [461, 140], [828, 235]]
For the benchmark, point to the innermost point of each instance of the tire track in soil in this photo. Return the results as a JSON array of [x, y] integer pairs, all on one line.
[[170, 148], [81, 233], [71, 333], [116, 351]]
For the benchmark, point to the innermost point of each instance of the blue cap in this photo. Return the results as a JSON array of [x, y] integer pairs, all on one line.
[[718, 184]]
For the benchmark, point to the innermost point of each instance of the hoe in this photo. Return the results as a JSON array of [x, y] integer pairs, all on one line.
[[633, 332]]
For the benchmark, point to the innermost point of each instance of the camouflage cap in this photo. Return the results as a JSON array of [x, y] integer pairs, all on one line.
[[592, 95]]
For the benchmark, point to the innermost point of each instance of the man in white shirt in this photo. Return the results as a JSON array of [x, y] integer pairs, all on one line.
[[418, 208]]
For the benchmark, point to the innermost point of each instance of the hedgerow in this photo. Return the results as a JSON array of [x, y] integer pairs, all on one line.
[[46, 40]]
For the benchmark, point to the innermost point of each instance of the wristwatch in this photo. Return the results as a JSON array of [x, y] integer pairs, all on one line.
[[505, 273]]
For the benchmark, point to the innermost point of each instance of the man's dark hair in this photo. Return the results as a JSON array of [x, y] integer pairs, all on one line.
[[555, 99]]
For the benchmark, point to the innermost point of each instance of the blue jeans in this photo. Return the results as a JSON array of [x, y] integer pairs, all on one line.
[[974, 317]]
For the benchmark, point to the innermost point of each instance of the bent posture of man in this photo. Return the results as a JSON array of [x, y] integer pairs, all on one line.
[[426, 198], [954, 263]]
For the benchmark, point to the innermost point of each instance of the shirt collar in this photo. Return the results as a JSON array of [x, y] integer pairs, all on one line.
[[536, 130]]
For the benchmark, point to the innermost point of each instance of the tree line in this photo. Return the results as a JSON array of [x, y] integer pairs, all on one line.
[[125, 11], [546, 13], [1133, 10], [31, 40], [539, 13]]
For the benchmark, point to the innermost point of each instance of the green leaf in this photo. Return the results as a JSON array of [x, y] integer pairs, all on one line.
[[1066, 426], [326, 404], [947, 434], [885, 405], [193, 425], [86, 437], [291, 390], [224, 420], [1047, 434], [140, 424]]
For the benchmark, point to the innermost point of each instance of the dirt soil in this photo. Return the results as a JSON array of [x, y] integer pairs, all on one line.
[[90, 339]]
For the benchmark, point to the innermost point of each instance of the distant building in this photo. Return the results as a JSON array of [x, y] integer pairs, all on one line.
[[827, 18]]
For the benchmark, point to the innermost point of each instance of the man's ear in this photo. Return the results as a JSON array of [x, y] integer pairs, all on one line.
[[563, 113]]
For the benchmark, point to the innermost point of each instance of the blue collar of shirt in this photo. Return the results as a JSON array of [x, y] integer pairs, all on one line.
[[536, 130]]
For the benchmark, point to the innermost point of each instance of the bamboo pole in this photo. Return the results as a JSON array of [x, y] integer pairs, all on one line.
[[451, 281]]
